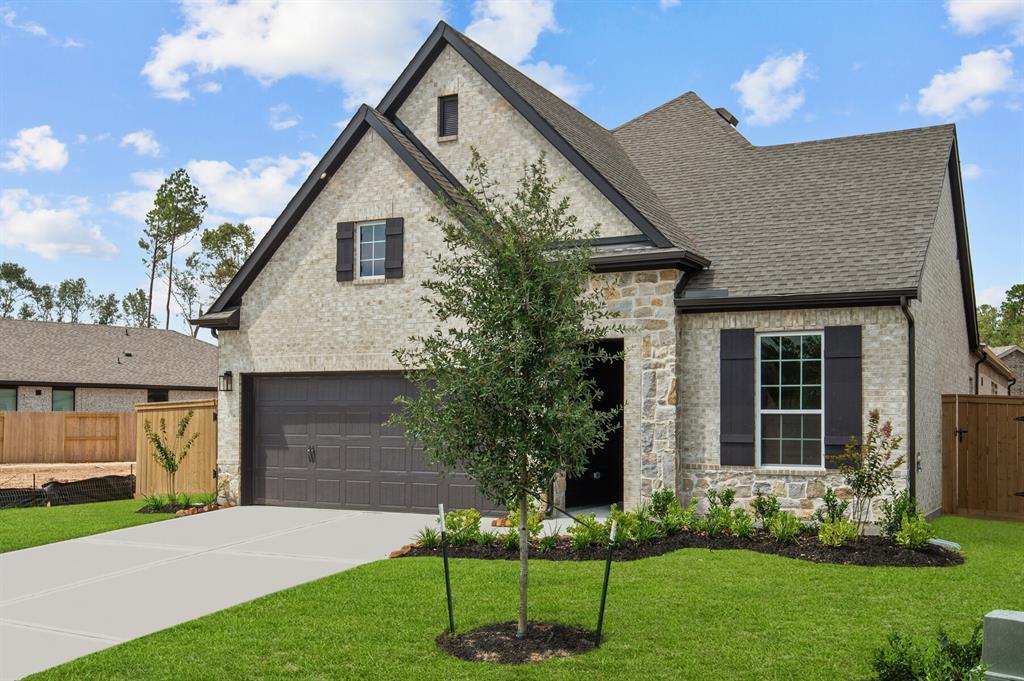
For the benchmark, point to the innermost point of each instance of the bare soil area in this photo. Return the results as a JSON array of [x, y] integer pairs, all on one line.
[[21, 474]]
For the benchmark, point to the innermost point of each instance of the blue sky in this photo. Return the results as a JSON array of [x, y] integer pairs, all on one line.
[[99, 101]]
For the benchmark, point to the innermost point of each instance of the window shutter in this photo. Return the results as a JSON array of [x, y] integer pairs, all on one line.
[[346, 251], [394, 238], [843, 389], [736, 434]]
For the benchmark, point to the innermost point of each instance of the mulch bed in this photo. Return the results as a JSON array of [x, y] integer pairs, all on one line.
[[867, 551], [180, 510], [498, 643]]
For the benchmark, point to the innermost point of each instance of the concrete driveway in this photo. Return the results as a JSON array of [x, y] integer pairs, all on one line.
[[72, 598]]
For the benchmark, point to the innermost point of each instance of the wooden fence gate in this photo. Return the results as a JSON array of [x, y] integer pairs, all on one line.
[[196, 472], [983, 455]]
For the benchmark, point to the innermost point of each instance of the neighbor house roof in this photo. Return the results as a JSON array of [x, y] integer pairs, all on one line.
[[994, 360], [1002, 351], [843, 221], [57, 353]]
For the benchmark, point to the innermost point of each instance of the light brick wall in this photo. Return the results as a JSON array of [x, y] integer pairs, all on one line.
[[297, 318], [991, 381], [884, 339], [29, 401], [108, 399], [187, 395], [502, 136], [943, 363], [1015, 362]]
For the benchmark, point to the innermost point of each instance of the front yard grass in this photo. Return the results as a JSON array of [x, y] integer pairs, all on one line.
[[692, 614], [21, 528]]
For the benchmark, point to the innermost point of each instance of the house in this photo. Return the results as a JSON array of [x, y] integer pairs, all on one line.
[[57, 366], [1012, 357], [774, 295]]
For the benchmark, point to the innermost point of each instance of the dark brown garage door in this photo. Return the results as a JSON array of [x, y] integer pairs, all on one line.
[[320, 441]]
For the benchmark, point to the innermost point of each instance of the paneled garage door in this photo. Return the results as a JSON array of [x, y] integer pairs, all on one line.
[[319, 440]]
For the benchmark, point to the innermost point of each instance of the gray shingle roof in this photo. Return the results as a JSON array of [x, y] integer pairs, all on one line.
[[832, 216], [418, 156], [84, 354]]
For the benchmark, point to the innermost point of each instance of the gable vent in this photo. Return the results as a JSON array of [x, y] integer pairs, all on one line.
[[727, 115]]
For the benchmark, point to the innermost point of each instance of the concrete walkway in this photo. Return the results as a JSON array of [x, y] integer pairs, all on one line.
[[72, 598]]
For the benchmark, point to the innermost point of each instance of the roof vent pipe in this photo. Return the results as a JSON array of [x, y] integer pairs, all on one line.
[[727, 115]]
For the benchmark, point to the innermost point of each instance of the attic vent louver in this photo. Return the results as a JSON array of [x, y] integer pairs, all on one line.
[[727, 115]]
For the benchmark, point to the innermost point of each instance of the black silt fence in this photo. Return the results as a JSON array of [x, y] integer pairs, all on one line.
[[105, 488]]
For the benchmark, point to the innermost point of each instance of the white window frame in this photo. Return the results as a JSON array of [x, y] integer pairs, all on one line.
[[359, 248], [760, 411]]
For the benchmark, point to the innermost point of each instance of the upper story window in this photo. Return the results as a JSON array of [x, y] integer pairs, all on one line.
[[790, 411], [371, 249], [8, 399], [448, 116], [158, 395], [62, 399]]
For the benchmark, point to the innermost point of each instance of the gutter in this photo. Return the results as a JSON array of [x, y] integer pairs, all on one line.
[[1009, 384], [977, 366], [912, 461]]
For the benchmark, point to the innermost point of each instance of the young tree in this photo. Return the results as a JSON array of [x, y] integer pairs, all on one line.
[[72, 299], [167, 454], [223, 250], [153, 256], [15, 286], [186, 294], [868, 468], [177, 213], [502, 380], [135, 309], [105, 309], [44, 302]]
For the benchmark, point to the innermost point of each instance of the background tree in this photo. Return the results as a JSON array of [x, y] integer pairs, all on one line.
[[135, 309], [186, 295], [1003, 325], [502, 379], [44, 302], [72, 299], [223, 249], [177, 212], [153, 256], [15, 287], [105, 309]]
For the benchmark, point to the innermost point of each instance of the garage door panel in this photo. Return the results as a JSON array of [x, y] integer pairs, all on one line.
[[357, 493], [462, 495], [357, 423], [328, 390], [419, 463], [295, 457], [357, 459], [394, 460], [328, 458], [295, 489], [327, 423], [328, 492], [393, 495]]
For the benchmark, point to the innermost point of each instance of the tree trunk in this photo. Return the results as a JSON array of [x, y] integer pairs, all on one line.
[[524, 548], [170, 285], [152, 278]]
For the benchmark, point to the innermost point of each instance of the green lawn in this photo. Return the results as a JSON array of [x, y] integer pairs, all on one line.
[[692, 614], [21, 528]]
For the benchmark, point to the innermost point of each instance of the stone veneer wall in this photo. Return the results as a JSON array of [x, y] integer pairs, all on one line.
[[297, 318], [884, 333]]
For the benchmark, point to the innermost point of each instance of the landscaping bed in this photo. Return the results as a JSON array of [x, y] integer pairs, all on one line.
[[498, 643], [867, 551], [181, 504]]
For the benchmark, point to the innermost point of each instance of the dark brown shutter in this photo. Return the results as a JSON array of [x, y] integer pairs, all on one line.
[[394, 238], [843, 389], [448, 115], [346, 251], [736, 430]]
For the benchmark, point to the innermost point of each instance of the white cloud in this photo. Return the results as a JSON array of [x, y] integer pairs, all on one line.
[[770, 91], [144, 142], [10, 19], [135, 204], [30, 221], [975, 16], [282, 118], [263, 186], [993, 295], [967, 88], [360, 46], [35, 148], [668, 4], [511, 28], [211, 87], [260, 225], [971, 171]]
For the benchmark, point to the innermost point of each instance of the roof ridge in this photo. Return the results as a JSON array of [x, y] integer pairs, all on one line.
[[95, 325], [864, 135], [664, 104]]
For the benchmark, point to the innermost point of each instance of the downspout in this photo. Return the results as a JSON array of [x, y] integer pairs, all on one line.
[[984, 357], [1010, 384], [911, 399]]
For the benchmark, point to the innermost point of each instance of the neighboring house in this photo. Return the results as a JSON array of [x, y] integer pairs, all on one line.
[[774, 295], [1012, 357], [56, 366]]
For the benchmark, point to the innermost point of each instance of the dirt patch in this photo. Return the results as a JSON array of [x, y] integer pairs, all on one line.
[[498, 643], [21, 475], [867, 551]]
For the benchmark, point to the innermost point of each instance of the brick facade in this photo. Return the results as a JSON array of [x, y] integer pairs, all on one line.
[[101, 399]]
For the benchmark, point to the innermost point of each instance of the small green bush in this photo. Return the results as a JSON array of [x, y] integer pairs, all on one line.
[[765, 508], [534, 522], [679, 518], [741, 524], [914, 532], [589, 532], [721, 499], [510, 540], [153, 502], [784, 527], [428, 538], [663, 503], [837, 532], [488, 539], [549, 541], [950, 660], [893, 511], [463, 527], [833, 510], [207, 498]]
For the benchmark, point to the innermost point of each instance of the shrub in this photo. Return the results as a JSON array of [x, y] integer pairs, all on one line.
[[664, 503], [833, 510], [893, 511], [534, 522], [742, 524], [206, 499], [719, 516], [914, 532], [644, 530], [463, 526], [184, 499], [784, 527], [868, 468], [765, 507], [837, 532], [489, 539], [428, 538], [510, 540], [680, 518], [550, 540], [153, 502], [588, 531], [721, 499], [950, 660]]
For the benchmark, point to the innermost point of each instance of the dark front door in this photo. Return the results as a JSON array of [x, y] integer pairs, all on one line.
[[320, 440], [601, 482]]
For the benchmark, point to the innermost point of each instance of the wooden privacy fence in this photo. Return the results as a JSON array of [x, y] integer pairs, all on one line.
[[196, 474], [983, 455], [66, 437]]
